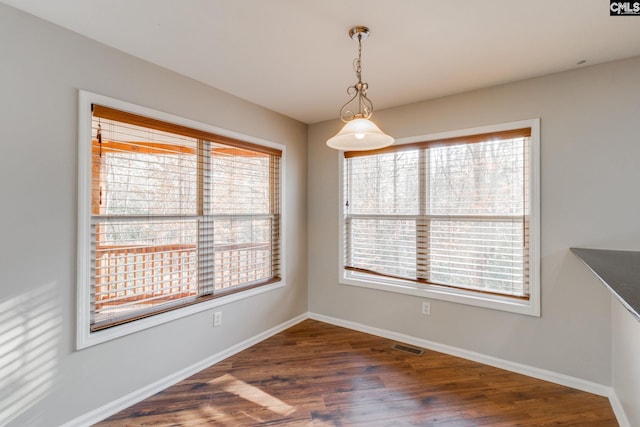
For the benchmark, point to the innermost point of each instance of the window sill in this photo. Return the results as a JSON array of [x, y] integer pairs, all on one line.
[[529, 307], [88, 339]]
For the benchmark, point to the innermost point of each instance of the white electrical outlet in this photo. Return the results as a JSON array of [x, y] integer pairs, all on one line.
[[217, 319], [426, 308]]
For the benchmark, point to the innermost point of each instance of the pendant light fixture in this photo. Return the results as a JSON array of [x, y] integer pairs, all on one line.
[[359, 133]]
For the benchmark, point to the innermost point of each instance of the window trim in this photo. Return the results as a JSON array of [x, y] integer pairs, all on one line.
[[529, 307], [84, 337]]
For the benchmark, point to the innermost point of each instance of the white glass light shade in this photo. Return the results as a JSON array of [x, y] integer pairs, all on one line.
[[358, 135]]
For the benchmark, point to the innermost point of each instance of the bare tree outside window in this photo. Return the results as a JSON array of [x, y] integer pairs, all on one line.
[[451, 213]]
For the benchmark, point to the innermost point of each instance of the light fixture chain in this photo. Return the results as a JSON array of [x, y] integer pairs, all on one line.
[[358, 90], [358, 62]]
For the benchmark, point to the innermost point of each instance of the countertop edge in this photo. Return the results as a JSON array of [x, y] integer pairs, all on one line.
[[579, 252]]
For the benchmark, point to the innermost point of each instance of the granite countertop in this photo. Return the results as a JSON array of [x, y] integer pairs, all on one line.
[[619, 271]]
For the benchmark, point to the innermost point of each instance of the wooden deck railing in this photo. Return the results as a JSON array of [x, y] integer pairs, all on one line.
[[149, 275]]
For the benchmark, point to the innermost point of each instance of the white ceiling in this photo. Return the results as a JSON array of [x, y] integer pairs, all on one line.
[[295, 57]]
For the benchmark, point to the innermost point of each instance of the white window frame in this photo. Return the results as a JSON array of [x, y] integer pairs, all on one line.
[[529, 307], [84, 337]]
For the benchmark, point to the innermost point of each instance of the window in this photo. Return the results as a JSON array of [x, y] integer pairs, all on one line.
[[176, 216], [451, 217]]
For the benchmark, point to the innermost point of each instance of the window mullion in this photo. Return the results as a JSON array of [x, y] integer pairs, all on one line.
[[274, 207], [348, 252], [526, 182], [206, 252], [422, 221]]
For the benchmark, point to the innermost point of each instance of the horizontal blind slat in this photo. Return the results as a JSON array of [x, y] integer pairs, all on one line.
[[148, 122]]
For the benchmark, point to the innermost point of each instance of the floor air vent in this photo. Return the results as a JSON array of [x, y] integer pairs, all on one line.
[[408, 349]]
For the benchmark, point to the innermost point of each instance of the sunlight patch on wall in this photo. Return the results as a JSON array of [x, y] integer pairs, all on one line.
[[30, 327]]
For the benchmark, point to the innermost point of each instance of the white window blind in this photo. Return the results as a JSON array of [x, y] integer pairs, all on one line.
[[178, 216], [452, 213]]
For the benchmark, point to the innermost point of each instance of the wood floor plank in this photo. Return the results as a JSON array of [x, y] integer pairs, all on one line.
[[316, 374]]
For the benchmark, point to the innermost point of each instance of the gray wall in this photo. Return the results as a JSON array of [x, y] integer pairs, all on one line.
[[43, 381], [589, 182]]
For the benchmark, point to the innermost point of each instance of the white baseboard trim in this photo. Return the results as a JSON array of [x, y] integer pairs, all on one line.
[[124, 402], [530, 371], [618, 410]]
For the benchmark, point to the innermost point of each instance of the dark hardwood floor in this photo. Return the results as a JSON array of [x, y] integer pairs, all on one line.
[[315, 374]]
